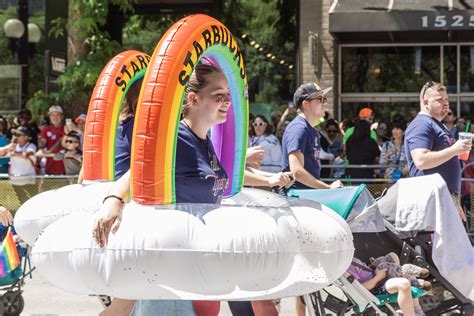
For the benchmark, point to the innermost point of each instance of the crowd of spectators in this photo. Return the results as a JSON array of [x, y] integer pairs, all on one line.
[[52, 147], [360, 141]]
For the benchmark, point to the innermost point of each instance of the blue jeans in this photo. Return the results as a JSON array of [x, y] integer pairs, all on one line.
[[163, 308]]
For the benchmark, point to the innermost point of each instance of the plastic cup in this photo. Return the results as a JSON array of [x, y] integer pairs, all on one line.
[[464, 135]]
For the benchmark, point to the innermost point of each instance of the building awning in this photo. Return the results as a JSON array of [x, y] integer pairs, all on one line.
[[369, 16]]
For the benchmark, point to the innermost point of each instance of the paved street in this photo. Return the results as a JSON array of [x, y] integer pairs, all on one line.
[[43, 299]]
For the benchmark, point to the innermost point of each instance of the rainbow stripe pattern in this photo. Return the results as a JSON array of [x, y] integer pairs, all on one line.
[[159, 107], [104, 113], [9, 259]]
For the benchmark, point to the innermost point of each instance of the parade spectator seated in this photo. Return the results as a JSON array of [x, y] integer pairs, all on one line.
[[50, 140], [393, 152], [4, 140], [345, 125], [366, 114], [44, 122], [331, 142], [71, 155], [361, 149], [460, 126], [378, 283], [382, 134], [450, 122], [22, 164], [80, 126], [25, 119], [261, 135]]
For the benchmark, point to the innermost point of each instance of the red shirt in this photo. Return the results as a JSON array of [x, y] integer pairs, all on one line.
[[52, 135]]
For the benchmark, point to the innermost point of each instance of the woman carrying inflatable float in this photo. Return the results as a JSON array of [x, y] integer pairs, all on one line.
[[266, 248]]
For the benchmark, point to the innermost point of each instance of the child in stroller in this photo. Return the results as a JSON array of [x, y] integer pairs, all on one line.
[[411, 272], [388, 277]]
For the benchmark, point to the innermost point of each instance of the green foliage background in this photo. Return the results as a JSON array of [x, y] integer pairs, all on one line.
[[272, 23]]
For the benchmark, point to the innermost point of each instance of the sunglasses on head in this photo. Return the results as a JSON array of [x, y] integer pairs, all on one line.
[[259, 124], [426, 86]]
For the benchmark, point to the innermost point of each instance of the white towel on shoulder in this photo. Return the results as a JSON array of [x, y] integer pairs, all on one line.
[[424, 203]]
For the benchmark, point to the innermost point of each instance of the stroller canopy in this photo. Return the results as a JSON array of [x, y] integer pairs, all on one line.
[[355, 204]]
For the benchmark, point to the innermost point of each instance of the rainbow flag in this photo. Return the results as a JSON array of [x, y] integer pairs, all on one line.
[[3, 266], [10, 259]]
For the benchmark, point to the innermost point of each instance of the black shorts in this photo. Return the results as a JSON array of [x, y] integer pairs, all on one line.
[[379, 290]]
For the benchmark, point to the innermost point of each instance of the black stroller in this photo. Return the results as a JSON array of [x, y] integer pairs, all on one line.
[[11, 302], [371, 240]]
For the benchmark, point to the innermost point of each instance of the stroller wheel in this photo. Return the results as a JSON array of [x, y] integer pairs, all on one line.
[[468, 309], [13, 303]]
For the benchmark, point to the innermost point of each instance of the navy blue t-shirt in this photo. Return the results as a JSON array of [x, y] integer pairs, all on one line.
[[427, 132], [123, 147], [301, 136], [199, 176]]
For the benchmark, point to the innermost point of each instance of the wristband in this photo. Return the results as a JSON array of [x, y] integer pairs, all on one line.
[[115, 197]]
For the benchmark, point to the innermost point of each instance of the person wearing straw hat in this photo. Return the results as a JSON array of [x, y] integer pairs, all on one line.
[[429, 146], [50, 140]]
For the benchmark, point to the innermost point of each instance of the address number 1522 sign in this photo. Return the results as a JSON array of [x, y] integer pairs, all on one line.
[[443, 21]]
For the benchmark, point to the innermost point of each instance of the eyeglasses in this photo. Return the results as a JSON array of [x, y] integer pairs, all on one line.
[[450, 113], [426, 86], [68, 141], [259, 124], [321, 99]]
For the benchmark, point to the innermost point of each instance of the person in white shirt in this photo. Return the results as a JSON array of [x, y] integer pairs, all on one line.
[[261, 135], [22, 164]]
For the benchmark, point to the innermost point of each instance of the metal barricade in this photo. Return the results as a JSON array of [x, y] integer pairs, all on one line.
[[13, 195]]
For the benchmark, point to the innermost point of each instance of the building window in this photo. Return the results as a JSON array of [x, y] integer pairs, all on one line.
[[388, 69], [467, 69], [388, 78], [449, 68]]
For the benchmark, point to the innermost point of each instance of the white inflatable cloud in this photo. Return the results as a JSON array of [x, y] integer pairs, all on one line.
[[198, 251], [45, 208]]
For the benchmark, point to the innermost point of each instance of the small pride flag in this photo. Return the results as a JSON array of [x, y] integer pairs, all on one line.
[[9, 254]]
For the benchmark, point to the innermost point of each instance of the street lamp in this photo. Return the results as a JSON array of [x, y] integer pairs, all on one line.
[[14, 28], [20, 45]]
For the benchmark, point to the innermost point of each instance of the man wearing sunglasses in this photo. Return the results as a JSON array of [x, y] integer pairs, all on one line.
[[301, 142], [429, 146]]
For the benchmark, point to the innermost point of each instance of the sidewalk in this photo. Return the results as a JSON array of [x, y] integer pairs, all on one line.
[[41, 298]]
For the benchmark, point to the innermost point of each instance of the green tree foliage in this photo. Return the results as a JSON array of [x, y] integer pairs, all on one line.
[[272, 24], [36, 62], [77, 83], [143, 32]]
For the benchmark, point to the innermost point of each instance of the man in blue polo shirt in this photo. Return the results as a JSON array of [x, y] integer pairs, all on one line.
[[429, 146], [301, 143]]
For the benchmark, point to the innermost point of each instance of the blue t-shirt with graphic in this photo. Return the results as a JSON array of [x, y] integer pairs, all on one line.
[[301, 136], [427, 132], [199, 176], [123, 147], [3, 160]]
